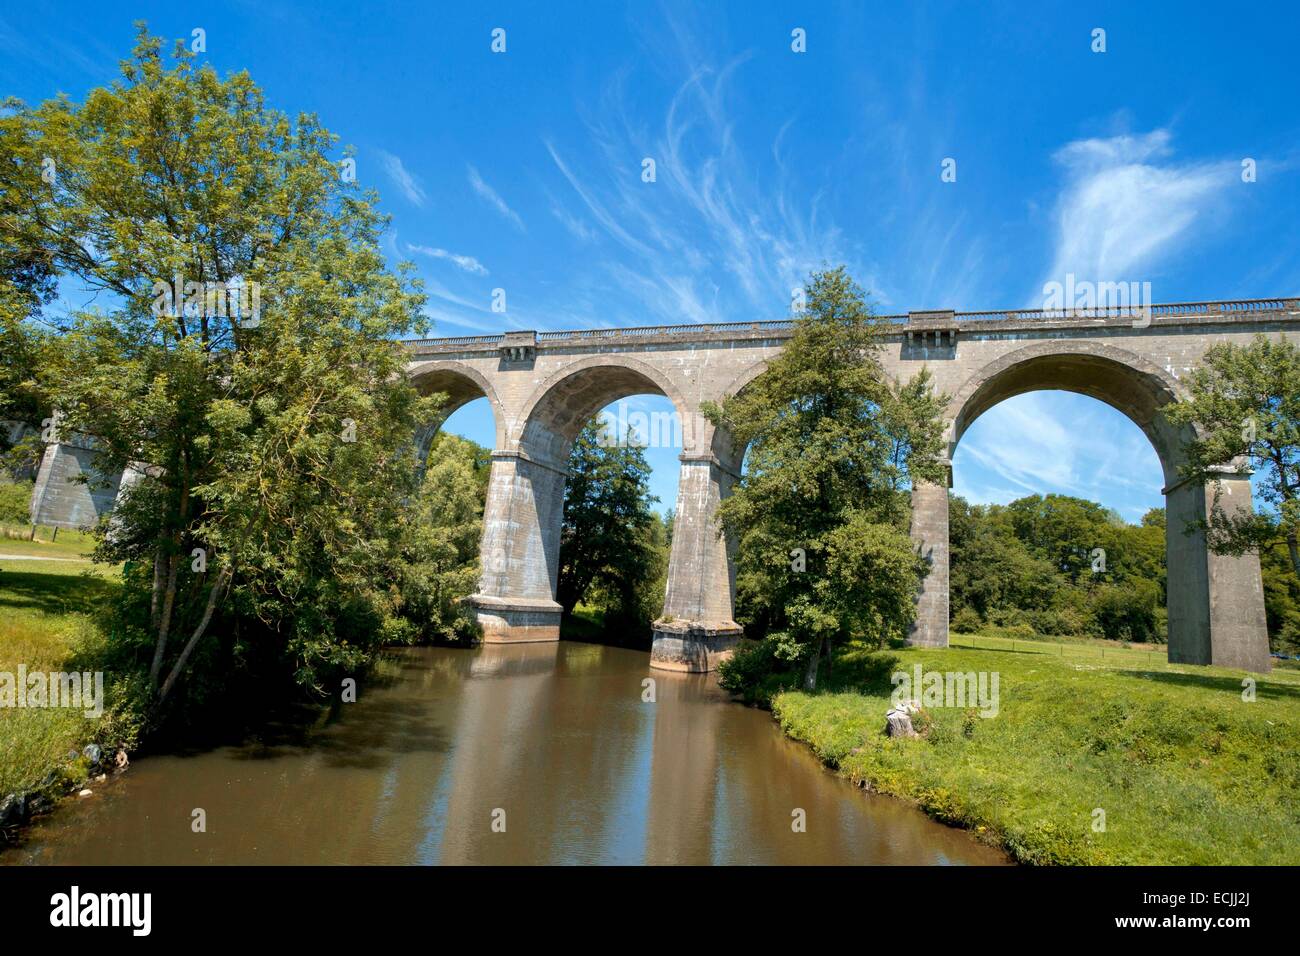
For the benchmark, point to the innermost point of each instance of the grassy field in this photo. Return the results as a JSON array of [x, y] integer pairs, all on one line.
[[17, 539], [1184, 770], [47, 613]]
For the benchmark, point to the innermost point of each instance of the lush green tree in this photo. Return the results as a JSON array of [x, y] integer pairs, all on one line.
[[832, 447], [607, 541], [437, 556], [1244, 404], [1059, 565], [1068, 532], [1281, 598], [991, 568], [630, 602], [22, 401], [276, 439], [27, 281]]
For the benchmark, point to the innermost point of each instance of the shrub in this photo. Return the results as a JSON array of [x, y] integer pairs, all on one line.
[[15, 501], [1126, 613], [967, 621], [754, 671]]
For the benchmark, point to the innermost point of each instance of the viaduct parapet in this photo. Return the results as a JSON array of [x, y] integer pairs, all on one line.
[[544, 386]]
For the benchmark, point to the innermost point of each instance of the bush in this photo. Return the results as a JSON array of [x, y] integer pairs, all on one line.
[[15, 502], [967, 621], [1058, 622], [754, 671], [1126, 613]]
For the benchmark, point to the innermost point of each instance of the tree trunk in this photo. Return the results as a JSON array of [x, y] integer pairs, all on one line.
[[213, 597], [164, 623], [1294, 546], [159, 583], [169, 601], [814, 660]]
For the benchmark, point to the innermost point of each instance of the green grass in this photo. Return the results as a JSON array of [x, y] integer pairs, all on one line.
[[14, 539], [1185, 770], [47, 615]]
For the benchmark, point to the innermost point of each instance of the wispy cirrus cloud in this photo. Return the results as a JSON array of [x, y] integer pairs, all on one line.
[[712, 236], [402, 178], [1043, 442], [467, 263], [493, 199], [1126, 205]]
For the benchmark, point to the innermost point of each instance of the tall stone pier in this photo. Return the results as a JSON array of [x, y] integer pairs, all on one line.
[[696, 630], [930, 535], [543, 387]]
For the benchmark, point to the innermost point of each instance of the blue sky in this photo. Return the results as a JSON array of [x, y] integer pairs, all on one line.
[[522, 170]]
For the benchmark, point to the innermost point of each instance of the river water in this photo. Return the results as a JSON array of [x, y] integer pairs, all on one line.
[[551, 743]]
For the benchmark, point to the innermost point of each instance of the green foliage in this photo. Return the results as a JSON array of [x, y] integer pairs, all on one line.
[[1281, 599], [754, 672], [15, 502], [1243, 412], [967, 621], [279, 444], [436, 564], [22, 345], [832, 446], [613, 547], [1059, 566]]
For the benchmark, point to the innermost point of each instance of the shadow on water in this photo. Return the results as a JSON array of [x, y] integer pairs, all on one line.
[[561, 738]]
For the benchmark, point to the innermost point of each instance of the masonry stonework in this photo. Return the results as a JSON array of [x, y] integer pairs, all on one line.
[[543, 387]]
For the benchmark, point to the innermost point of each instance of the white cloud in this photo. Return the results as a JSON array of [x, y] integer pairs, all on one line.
[[489, 194], [402, 178], [468, 263], [1126, 206], [1055, 442], [710, 239], [577, 228]]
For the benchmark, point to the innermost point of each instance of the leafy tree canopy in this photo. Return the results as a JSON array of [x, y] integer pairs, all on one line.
[[1243, 403], [821, 513], [611, 540], [275, 442]]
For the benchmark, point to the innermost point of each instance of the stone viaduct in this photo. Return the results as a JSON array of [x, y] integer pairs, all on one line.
[[543, 387]]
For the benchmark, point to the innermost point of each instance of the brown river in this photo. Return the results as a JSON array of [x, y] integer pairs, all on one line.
[[527, 754]]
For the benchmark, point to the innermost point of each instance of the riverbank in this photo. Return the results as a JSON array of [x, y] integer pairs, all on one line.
[[1088, 761], [555, 740], [50, 596]]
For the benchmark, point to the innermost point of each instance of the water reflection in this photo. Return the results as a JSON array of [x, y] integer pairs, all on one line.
[[552, 740]]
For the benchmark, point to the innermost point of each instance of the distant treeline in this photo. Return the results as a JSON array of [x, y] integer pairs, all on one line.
[[1064, 566]]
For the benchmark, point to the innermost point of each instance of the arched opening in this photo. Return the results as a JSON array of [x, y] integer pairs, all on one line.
[[1057, 525], [463, 386], [1213, 612], [524, 524], [1123, 382]]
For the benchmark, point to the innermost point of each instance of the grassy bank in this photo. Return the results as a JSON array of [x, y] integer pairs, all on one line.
[[49, 609], [1185, 771]]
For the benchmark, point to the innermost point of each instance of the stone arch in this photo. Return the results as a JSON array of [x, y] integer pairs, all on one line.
[[561, 405], [462, 384], [1121, 379], [720, 441], [520, 550], [1215, 602]]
